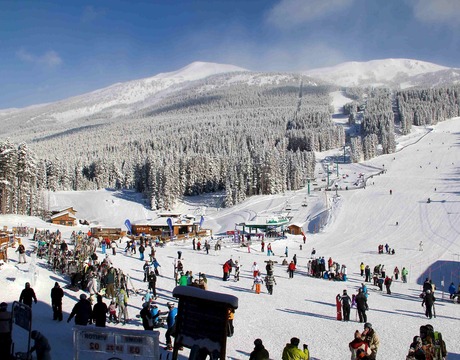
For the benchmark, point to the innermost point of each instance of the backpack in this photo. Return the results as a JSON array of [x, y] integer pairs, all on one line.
[[440, 351]]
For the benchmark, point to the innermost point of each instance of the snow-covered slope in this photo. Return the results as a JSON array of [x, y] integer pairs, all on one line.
[[377, 72], [303, 306]]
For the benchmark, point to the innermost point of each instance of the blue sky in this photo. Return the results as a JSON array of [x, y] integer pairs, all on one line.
[[51, 50]]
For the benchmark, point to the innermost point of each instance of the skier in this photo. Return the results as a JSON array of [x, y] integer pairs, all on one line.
[[294, 258], [452, 290], [428, 301], [152, 279], [262, 246], [259, 352], [292, 352], [346, 302], [286, 251], [56, 301], [420, 246]]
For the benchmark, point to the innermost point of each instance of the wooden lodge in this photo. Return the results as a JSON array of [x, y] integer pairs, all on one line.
[[107, 233], [182, 228], [65, 217], [295, 229]]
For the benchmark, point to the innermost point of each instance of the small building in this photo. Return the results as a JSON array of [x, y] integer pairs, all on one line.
[[107, 233], [182, 228], [295, 229], [56, 210], [65, 217]]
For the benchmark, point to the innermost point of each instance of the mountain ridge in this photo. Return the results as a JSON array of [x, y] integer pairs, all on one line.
[[129, 98]]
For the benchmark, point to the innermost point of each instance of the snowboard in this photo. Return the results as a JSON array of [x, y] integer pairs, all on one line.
[[339, 307]]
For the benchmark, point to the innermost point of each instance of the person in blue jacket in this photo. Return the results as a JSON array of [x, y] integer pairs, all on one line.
[[452, 290], [171, 322]]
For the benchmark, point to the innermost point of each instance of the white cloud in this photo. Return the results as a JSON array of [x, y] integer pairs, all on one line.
[[291, 13], [50, 58], [439, 11]]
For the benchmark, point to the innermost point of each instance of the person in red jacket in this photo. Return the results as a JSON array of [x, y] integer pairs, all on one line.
[[291, 269]]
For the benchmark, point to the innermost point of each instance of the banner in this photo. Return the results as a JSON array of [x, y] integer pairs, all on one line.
[[169, 222], [201, 221], [128, 225]]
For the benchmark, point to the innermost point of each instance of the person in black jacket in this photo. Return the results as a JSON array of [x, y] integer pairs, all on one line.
[[82, 311], [147, 317], [361, 305], [27, 295], [259, 352], [41, 346], [346, 302], [428, 301], [100, 311], [56, 301]]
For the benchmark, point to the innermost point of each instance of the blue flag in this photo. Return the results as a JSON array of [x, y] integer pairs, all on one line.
[[201, 221], [169, 221], [128, 225]]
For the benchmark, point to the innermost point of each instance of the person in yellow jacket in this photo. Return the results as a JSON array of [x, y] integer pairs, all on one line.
[[361, 268], [292, 352]]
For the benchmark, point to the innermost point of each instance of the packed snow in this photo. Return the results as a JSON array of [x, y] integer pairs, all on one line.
[[346, 225]]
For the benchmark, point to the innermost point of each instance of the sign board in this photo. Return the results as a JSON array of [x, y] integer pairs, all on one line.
[[202, 319], [112, 343], [22, 315]]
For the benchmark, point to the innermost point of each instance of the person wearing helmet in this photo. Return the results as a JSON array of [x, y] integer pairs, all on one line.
[[5, 331], [82, 311], [27, 295]]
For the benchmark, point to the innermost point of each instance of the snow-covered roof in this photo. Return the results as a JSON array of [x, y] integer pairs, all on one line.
[[62, 213]]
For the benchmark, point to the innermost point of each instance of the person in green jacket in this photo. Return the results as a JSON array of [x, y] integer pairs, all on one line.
[[404, 274], [292, 352]]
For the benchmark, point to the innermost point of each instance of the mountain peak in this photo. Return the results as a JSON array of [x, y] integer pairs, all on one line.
[[374, 72], [199, 70]]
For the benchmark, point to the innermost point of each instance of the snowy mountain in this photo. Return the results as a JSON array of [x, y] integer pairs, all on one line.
[[388, 72], [108, 103], [127, 100]]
